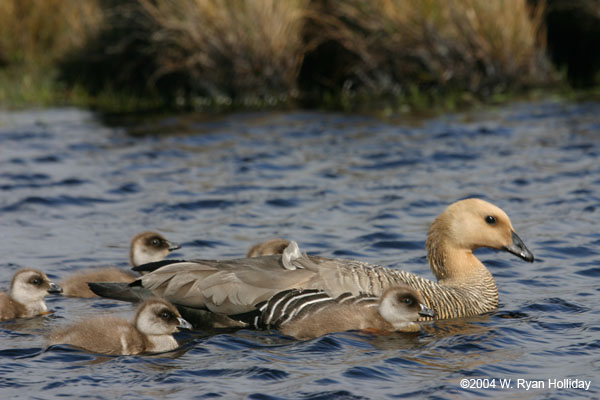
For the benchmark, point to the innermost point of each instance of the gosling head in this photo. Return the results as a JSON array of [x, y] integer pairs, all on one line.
[[30, 286], [271, 246], [159, 317], [401, 306], [147, 247]]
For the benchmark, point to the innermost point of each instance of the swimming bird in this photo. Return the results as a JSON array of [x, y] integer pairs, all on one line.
[[464, 285], [25, 297], [309, 313], [150, 332], [271, 246], [145, 247]]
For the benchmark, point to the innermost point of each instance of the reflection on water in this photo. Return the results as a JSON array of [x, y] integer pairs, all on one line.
[[74, 190]]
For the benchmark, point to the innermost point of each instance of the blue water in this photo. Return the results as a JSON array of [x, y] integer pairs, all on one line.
[[75, 188]]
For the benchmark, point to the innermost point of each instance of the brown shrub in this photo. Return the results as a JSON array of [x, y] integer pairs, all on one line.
[[238, 49], [41, 31]]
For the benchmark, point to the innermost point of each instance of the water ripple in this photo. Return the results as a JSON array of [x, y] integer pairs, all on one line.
[[191, 205], [59, 201]]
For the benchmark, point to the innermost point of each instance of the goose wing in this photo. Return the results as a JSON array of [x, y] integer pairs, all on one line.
[[228, 287]]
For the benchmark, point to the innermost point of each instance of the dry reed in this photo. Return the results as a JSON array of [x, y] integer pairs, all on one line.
[[236, 50], [473, 45], [41, 31], [258, 53]]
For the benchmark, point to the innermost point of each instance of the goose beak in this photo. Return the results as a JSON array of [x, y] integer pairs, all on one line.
[[54, 288], [183, 324], [426, 311], [173, 246], [518, 248]]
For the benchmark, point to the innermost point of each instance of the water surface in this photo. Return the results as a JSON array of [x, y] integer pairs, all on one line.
[[74, 189]]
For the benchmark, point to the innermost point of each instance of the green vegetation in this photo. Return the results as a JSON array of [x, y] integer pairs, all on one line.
[[132, 55], [34, 35]]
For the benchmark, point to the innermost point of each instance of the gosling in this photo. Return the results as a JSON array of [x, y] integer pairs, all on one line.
[[26, 294], [150, 332], [270, 247], [145, 247], [309, 313]]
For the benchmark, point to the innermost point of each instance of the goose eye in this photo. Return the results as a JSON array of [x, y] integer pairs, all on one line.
[[490, 220], [407, 300], [155, 242], [35, 281]]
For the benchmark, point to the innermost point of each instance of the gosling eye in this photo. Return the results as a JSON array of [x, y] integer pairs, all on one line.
[[35, 281], [490, 220], [407, 301], [155, 242], [166, 315]]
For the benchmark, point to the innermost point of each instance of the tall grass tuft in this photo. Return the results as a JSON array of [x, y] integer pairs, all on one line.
[[395, 47], [42, 31], [119, 60], [34, 34], [195, 53]]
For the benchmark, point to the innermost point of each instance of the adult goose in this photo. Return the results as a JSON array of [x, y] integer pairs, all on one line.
[[464, 286], [145, 247]]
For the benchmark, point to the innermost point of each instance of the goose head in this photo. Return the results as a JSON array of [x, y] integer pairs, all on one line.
[[465, 226], [147, 247], [401, 306], [30, 286], [159, 317]]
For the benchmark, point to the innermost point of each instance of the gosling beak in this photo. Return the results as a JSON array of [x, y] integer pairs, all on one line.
[[518, 248], [54, 288], [173, 246], [183, 324], [426, 311]]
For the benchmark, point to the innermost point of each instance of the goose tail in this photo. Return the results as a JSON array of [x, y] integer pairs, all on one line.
[[153, 266]]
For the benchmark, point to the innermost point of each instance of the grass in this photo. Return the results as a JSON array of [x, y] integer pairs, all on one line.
[[215, 55], [245, 51], [402, 48], [34, 35], [33, 31], [21, 88]]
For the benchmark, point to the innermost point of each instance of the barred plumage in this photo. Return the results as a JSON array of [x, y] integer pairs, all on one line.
[[289, 304], [475, 297], [306, 313]]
